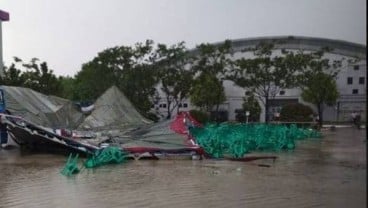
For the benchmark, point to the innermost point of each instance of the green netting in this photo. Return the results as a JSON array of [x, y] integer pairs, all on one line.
[[71, 166], [108, 155], [238, 139]]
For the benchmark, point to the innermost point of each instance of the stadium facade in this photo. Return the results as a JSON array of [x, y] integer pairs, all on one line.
[[351, 80]]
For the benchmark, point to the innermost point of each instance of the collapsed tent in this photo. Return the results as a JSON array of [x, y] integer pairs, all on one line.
[[153, 141], [161, 139], [49, 111], [37, 116], [113, 110], [43, 122]]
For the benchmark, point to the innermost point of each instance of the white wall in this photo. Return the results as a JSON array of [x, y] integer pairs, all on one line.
[[348, 102]]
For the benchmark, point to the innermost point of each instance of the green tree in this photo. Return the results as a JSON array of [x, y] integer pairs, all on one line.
[[129, 68], [42, 79], [34, 75], [320, 89], [12, 76], [267, 74], [211, 66], [175, 78], [317, 81], [92, 81], [296, 112], [138, 84], [207, 92], [139, 80], [102, 72], [68, 87], [251, 104]]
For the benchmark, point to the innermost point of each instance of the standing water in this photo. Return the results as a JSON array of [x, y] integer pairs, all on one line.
[[327, 172]]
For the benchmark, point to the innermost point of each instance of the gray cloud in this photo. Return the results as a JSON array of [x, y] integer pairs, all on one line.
[[69, 33]]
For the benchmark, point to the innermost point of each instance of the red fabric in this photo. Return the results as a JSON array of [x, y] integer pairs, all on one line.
[[181, 122], [181, 125]]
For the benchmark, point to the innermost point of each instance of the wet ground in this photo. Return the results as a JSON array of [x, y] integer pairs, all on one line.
[[328, 172]]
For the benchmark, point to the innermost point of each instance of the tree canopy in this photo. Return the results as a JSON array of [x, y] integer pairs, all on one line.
[[34, 75], [207, 92], [251, 105], [320, 89], [267, 74], [175, 78], [318, 81], [129, 68], [211, 66], [199, 74]]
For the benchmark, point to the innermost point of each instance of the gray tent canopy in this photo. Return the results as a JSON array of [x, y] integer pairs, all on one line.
[[41, 109], [112, 110]]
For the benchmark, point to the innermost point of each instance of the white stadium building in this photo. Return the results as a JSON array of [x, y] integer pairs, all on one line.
[[351, 80]]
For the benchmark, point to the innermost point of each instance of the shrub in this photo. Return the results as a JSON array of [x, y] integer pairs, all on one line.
[[200, 116], [220, 116], [251, 104], [240, 115], [296, 112]]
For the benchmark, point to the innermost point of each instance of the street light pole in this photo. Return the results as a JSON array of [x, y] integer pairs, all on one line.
[[4, 16], [247, 115]]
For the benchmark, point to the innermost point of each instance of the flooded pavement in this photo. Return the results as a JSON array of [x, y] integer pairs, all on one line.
[[327, 172]]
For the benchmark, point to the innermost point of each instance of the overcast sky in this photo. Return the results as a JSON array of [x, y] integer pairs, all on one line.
[[68, 33]]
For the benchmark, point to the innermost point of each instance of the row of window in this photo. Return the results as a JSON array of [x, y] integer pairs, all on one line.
[[349, 81], [355, 91], [164, 105], [361, 80], [282, 92]]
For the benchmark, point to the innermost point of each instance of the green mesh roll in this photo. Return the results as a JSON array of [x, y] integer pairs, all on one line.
[[71, 166], [108, 155], [238, 139]]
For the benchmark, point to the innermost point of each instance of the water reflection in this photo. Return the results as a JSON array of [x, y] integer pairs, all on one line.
[[329, 172]]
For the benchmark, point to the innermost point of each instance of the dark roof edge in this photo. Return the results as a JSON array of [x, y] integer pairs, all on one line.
[[302, 43]]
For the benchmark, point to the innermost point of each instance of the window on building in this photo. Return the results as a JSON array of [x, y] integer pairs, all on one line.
[[355, 91], [185, 105], [350, 80], [282, 92], [356, 67], [163, 105], [362, 80], [247, 93]]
